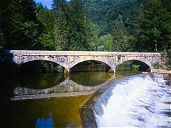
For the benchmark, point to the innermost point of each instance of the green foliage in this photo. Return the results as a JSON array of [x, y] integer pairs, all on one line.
[[104, 12], [47, 19], [80, 31], [106, 42], [46, 67], [19, 25], [120, 18], [40, 67], [98, 25], [47, 41], [135, 67], [72, 31], [122, 41], [156, 65], [155, 27], [94, 40], [62, 25]]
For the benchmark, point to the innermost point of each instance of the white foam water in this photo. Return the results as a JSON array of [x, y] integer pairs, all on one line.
[[137, 102]]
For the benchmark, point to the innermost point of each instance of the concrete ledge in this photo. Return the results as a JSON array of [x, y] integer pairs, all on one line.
[[161, 71], [86, 111]]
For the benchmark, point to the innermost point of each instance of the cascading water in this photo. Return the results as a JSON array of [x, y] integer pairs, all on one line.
[[136, 101]]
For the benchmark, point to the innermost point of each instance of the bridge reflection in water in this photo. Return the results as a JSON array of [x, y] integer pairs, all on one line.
[[67, 88], [41, 93]]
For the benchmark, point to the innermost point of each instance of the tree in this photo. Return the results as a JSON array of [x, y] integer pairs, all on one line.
[[62, 25], [80, 31], [19, 25], [46, 17], [71, 26], [106, 43], [122, 41], [155, 32], [104, 12], [94, 39]]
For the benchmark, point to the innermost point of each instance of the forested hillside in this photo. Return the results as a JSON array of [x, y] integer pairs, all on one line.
[[104, 12], [98, 25]]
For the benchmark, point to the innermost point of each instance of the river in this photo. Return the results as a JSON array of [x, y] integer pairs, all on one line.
[[26, 103], [36, 101]]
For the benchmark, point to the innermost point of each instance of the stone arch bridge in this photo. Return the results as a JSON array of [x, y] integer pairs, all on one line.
[[68, 59]]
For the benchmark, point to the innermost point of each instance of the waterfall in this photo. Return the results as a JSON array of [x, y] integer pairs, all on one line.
[[136, 101]]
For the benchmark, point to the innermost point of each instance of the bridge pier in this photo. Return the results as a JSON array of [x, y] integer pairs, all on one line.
[[113, 70], [66, 71]]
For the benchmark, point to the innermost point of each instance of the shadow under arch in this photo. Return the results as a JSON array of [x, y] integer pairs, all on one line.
[[40, 66], [131, 65], [90, 66]]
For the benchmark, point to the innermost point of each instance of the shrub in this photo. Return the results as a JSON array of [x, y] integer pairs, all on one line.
[[135, 67]]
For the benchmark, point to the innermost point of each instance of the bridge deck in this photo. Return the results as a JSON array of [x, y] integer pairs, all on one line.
[[80, 53]]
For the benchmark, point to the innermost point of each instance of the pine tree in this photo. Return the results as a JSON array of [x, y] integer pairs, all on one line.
[[19, 24], [61, 25], [155, 27], [71, 26], [80, 31], [46, 17], [122, 41]]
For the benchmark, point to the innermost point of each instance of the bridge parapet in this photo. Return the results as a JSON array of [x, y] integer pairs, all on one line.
[[84, 53]]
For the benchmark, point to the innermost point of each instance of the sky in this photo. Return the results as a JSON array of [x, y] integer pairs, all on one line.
[[47, 3]]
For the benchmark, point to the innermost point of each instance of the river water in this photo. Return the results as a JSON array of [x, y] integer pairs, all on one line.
[[135, 102], [53, 101], [36, 101]]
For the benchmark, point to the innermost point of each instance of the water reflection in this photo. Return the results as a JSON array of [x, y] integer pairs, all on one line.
[[23, 114], [44, 122], [41, 81], [66, 88], [90, 79], [51, 93], [64, 107]]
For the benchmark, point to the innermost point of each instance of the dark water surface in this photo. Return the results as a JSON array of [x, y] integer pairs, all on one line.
[[42, 108]]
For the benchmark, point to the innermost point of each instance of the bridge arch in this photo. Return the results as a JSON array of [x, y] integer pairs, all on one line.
[[32, 66], [24, 61], [90, 62], [143, 59], [144, 66], [93, 59]]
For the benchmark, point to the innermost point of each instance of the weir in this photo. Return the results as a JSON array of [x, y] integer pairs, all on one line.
[[134, 101]]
